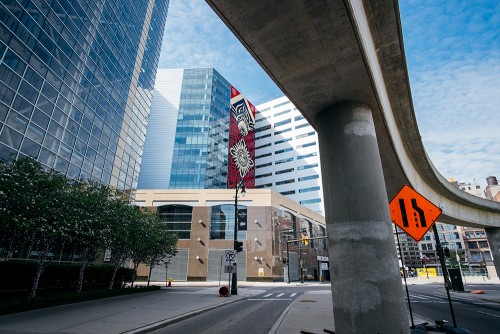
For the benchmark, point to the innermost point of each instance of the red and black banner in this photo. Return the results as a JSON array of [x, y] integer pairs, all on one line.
[[241, 157]]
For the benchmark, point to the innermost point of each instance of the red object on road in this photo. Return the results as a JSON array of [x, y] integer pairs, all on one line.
[[223, 291]]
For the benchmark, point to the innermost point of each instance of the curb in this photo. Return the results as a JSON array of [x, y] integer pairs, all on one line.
[[163, 323], [278, 322]]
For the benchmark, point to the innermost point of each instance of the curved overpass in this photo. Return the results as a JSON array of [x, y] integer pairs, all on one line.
[[324, 52], [342, 63]]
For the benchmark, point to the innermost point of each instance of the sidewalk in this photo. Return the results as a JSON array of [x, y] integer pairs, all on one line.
[[141, 313], [316, 306], [137, 313]]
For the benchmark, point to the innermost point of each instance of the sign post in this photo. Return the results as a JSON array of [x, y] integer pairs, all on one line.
[[415, 215], [229, 257]]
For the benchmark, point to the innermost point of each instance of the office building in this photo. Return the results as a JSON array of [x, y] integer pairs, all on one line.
[[287, 154], [204, 220], [477, 248], [409, 254], [492, 189], [193, 128], [76, 81]]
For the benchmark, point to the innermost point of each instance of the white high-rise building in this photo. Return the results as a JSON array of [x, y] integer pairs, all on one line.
[[287, 154]]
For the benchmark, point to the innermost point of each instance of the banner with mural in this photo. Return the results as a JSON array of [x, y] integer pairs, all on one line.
[[241, 157]]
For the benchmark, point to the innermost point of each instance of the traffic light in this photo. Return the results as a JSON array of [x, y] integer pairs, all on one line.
[[305, 240], [238, 246], [446, 251]]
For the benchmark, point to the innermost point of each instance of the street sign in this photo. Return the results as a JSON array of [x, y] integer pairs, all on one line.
[[242, 219], [230, 256], [229, 269], [324, 266], [413, 213]]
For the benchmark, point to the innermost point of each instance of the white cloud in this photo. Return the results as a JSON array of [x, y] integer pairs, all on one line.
[[453, 59], [195, 37]]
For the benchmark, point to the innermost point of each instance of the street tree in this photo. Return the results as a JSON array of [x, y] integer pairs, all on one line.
[[89, 201], [120, 217], [140, 241], [163, 246], [33, 208]]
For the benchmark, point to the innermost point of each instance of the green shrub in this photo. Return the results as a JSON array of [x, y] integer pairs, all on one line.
[[12, 302], [19, 276]]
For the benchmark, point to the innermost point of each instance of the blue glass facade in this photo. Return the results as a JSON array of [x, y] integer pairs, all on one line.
[[200, 151], [76, 81]]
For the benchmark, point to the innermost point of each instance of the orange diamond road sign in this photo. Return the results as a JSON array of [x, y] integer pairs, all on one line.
[[413, 212]]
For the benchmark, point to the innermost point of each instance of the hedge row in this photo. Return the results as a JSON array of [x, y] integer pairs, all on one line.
[[19, 275]]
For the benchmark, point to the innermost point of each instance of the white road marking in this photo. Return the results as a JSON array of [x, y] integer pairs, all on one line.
[[413, 296], [293, 294], [493, 315], [270, 299], [281, 294], [269, 294]]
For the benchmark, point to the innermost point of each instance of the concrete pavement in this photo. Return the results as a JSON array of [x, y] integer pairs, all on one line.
[[141, 313], [136, 313], [316, 307]]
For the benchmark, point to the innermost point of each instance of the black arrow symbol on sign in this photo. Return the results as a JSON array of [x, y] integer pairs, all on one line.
[[402, 207]]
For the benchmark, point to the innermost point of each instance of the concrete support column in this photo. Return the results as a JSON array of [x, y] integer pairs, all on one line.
[[493, 235], [366, 284]]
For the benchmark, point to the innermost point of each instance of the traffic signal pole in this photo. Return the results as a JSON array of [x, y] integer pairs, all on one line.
[[234, 285], [287, 263], [445, 272], [300, 256], [238, 245]]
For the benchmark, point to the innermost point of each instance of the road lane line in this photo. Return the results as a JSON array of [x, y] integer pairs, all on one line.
[[269, 294], [281, 294], [293, 294], [493, 315]]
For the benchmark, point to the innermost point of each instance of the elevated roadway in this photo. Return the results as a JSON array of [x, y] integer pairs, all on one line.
[[342, 63], [324, 52]]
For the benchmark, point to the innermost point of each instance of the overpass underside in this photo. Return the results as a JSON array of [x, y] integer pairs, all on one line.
[[342, 64]]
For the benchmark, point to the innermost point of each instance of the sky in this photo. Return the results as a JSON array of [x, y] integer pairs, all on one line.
[[452, 51]]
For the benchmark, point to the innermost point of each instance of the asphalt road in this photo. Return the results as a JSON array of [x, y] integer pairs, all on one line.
[[253, 315], [477, 316]]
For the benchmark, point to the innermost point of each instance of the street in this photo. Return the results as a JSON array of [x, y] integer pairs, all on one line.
[[257, 314], [473, 312], [253, 315]]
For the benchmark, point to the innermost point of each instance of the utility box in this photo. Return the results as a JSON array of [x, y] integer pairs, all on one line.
[[456, 279]]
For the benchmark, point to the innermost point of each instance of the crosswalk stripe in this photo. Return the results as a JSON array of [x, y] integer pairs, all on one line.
[[269, 299], [281, 294], [413, 296]]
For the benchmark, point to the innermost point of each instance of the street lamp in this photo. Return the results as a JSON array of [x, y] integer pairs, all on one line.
[[239, 186]]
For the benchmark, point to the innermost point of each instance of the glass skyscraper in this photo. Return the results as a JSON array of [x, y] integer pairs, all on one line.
[[188, 131], [76, 82]]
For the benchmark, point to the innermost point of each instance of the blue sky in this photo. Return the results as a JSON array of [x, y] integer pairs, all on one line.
[[453, 55]]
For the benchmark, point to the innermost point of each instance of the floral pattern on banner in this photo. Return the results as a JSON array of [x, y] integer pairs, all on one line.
[[241, 157]]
